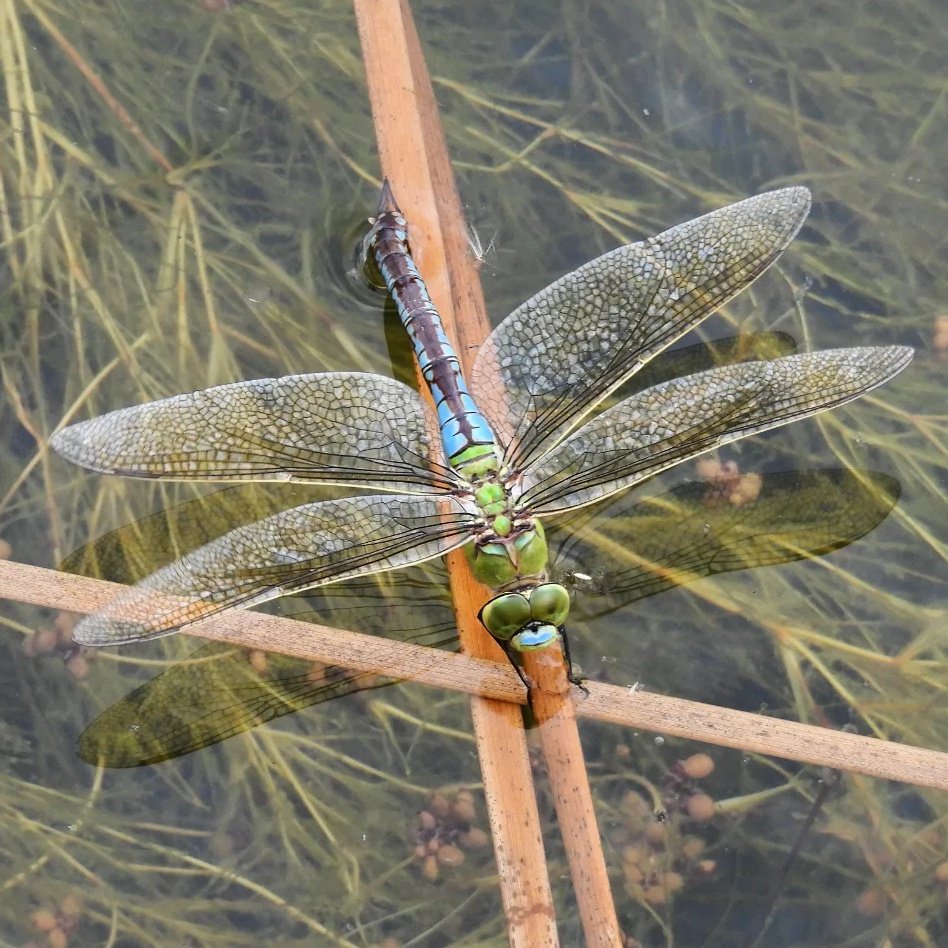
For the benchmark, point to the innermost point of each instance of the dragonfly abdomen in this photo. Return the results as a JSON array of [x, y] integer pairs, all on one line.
[[469, 441]]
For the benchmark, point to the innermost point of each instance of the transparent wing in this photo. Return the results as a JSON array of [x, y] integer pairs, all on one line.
[[219, 691], [294, 550], [346, 428], [668, 423], [132, 551], [560, 353], [628, 552], [702, 356]]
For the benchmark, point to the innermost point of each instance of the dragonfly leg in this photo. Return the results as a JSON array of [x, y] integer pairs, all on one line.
[[521, 674], [572, 677]]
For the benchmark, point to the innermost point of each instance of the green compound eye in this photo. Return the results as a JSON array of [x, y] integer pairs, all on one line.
[[504, 616], [549, 602]]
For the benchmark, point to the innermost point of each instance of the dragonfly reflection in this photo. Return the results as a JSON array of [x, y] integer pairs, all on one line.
[[669, 540]]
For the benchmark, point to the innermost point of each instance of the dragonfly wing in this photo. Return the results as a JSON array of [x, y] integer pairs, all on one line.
[[702, 356], [666, 424], [631, 552], [220, 690], [132, 551], [294, 550], [347, 428], [560, 353], [217, 692]]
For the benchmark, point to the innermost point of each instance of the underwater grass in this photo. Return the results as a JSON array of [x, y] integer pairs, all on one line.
[[124, 281]]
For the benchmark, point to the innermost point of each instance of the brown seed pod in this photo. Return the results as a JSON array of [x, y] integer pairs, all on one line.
[[706, 866], [64, 623], [474, 838], [637, 855], [941, 872], [746, 490], [450, 856], [939, 338], [463, 809], [438, 804], [44, 640], [655, 834], [70, 909], [426, 821], [258, 661], [673, 881], [656, 894], [635, 890], [708, 467], [429, 868], [43, 920], [697, 766], [78, 666], [57, 938], [700, 807], [871, 903], [692, 847]]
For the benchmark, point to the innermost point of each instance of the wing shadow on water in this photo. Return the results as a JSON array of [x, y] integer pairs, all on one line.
[[686, 534], [221, 690], [703, 528], [693, 531]]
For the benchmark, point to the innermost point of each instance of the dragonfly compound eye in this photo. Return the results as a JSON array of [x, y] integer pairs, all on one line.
[[549, 602], [504, 616]]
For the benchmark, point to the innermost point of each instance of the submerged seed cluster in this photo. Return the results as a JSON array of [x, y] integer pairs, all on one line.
[[658, 859], [56, 639], [682, 790], [56, 925], [444, 831], [726, 483], [883, 898]]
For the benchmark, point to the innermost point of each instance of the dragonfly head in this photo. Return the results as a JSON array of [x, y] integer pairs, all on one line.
[[527, 620]]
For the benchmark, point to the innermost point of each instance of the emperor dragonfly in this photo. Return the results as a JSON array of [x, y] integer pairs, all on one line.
[[514, 448]]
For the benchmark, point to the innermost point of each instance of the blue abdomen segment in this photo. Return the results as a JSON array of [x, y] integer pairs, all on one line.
[[465, 433]]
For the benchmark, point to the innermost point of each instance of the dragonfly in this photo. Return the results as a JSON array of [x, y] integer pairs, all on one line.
[[529, 439]]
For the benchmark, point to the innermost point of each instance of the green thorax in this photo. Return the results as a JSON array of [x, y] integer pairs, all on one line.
[[510, 550]]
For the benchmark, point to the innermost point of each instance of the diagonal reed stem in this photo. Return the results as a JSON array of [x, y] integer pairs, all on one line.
[[627, 707]]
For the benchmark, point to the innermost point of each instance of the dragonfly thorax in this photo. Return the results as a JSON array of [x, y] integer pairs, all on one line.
[[515, 551]]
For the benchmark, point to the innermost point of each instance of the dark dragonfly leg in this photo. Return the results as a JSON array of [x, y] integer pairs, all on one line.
[[572, 677], [512, 655]]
